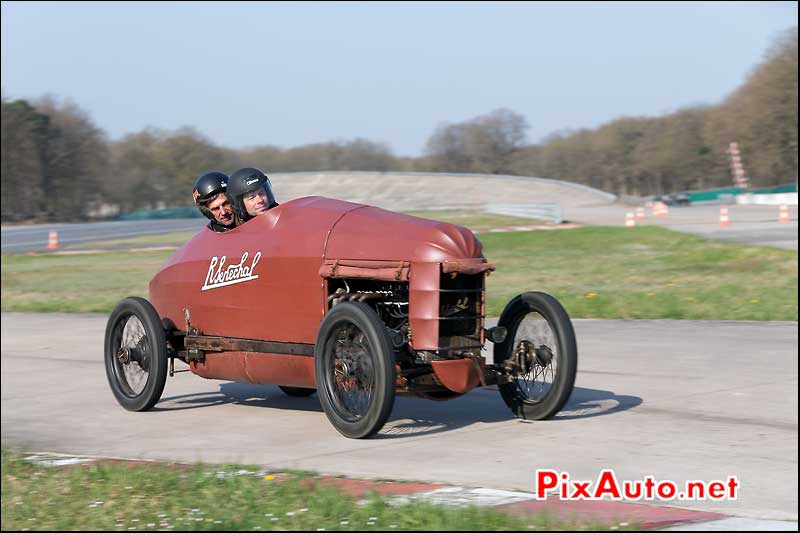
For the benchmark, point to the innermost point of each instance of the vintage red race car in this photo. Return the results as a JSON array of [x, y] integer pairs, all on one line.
[[350, 301]]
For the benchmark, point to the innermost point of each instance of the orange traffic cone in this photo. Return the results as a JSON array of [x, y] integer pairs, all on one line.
[[723, 217], [783, 215], [640, 213], [52, 241], [629, 221], [660, 209]]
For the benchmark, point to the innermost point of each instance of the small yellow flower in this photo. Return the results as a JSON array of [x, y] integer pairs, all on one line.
[[269, 478], [590, 295]]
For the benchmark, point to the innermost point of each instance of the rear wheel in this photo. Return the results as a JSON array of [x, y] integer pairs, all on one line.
[[355, 370], [136, 354], [540, 355]]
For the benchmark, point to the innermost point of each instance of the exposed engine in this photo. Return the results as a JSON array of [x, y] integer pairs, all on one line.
[[390, 300]]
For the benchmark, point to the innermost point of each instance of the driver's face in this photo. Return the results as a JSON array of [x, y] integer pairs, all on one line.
[[256, 202], [221, 209]]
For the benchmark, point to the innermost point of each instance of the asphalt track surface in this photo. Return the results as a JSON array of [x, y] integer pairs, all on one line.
[[675, 400], [34, 238]]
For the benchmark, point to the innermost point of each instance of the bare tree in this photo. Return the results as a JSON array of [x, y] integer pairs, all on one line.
[[20, 162], [76, 161], [485, 144], [136, 181]]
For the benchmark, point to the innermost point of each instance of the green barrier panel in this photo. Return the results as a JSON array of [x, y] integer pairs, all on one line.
[[712, 195], [715, 194], [776, 190], [153, 214]]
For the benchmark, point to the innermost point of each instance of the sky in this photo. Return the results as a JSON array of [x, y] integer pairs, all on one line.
[[294, 73]]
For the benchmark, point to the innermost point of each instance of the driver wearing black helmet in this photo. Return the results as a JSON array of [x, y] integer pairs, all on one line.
[[249, 192], [210, 199]]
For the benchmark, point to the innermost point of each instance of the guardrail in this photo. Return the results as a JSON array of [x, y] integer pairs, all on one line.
[[551, 212], [786, 198]]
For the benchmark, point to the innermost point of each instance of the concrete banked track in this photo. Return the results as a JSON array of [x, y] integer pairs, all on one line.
[[421, 190]]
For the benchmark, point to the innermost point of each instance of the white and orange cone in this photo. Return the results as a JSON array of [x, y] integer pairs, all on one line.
[[52, 241], [660, 209], [640, 213], [724, 220], [629, 221], [783, 214]]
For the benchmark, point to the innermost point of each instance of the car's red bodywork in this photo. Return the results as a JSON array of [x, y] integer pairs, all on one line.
[[269, 280]]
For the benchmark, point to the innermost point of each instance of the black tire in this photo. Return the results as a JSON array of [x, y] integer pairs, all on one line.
[[297, 392], [355, 370], [553, 353], [137, 378]]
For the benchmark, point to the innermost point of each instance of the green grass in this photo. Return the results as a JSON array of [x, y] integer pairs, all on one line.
[[117, 496], [643, 272], [176, 238], [80, 283], [476, 220]]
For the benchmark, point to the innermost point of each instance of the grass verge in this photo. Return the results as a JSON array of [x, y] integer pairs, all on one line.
[[478, 221], [118, 496], [175, 238], [81, 283], [643, 272]]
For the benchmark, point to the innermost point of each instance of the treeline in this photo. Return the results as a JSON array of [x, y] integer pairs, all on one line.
[[58, 165], [641, 156], [688, 149], [53, 161]]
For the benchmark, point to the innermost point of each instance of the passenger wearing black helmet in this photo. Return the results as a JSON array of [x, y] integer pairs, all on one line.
[[210, 199], [250, 194]]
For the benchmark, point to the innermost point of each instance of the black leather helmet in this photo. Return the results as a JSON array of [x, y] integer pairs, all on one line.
[[206, 187], [247, 180]]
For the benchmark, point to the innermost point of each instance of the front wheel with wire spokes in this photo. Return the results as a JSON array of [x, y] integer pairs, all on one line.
[[136, 354], [540, 355], [354, 369]]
